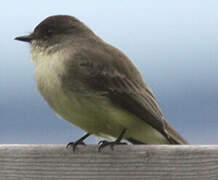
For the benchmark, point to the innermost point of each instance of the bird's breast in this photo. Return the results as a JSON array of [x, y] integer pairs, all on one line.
[[73, 105], [92, 112], [48, 76]]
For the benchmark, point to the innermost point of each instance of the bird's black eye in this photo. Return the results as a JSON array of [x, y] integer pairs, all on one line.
[[49, 32]]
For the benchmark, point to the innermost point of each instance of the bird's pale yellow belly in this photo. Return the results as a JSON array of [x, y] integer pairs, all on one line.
[[91, 112]]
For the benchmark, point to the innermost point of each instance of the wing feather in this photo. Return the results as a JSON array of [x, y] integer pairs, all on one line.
[[110, 72]]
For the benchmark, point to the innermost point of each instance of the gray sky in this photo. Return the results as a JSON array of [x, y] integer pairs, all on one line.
[[173, 43]]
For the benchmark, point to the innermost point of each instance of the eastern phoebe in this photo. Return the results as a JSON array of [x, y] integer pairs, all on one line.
[[94, 85]]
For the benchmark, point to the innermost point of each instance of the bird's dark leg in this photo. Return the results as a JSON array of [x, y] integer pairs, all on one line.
[[79, 141], [104, 143]]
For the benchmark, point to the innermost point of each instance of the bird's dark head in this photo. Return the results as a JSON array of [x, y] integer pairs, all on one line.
[[56, 34], [55, 29]]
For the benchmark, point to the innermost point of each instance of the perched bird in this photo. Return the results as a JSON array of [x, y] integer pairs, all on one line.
[[94, 85]]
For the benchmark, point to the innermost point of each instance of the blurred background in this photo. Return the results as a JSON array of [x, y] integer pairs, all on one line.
[[173, 43]]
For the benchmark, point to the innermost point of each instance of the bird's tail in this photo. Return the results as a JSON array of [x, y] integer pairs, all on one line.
[[168, 131]]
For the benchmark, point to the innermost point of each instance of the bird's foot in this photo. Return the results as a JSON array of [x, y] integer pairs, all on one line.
[[105, 143], [73, 145]]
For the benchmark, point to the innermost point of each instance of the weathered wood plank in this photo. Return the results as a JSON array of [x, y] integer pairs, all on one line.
[[153, 162]]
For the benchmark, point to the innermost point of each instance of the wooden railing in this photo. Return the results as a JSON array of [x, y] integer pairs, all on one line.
[[147, 162]]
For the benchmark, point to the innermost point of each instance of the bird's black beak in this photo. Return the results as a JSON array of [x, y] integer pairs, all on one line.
[[27, 38]]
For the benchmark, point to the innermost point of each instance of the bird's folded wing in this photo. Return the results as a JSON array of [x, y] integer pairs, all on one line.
[[137, 100], [122, 83]]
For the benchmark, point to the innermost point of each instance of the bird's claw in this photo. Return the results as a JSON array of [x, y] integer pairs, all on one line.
[[105, 143], [73, 145]]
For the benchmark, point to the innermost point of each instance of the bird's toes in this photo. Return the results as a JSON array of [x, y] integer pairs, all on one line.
[[73, 145], [105, 143]]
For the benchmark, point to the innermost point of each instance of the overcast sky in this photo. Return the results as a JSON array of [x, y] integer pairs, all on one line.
[[173, 43]]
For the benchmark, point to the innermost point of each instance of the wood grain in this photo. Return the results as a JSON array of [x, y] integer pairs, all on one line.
[[153, 162]]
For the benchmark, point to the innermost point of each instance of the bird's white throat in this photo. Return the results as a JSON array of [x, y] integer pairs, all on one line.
[[49, 66], [41, 54]]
